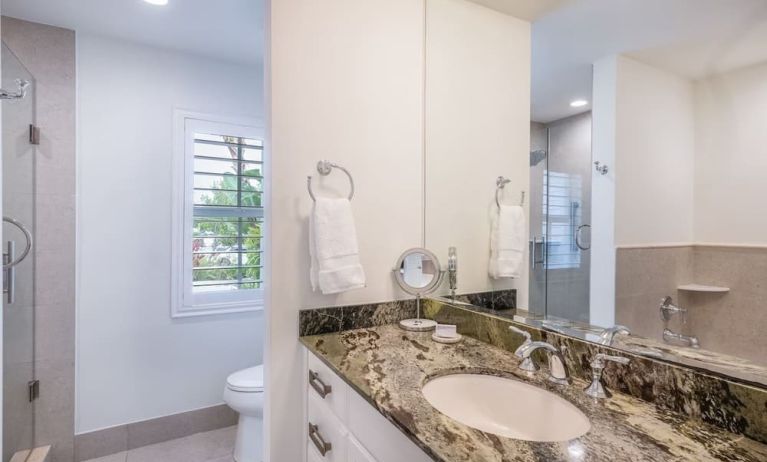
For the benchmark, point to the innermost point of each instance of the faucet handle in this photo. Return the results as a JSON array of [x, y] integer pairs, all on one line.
[[524, 333], [596, 389], [607, 335], [599, 360]]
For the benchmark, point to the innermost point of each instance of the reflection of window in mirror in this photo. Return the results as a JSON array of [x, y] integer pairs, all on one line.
[[561, 218]]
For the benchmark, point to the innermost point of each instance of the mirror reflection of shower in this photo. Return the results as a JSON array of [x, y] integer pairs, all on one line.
[[537, 156], [20, 93]]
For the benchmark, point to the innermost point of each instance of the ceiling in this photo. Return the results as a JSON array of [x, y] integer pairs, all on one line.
[[529, 10], [693, 38], [231, 30]]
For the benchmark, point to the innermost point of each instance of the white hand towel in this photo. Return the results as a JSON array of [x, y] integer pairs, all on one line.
[[335, 265], [507, 242]]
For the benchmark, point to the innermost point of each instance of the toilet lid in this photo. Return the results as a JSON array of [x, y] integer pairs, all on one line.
[[247, 380]]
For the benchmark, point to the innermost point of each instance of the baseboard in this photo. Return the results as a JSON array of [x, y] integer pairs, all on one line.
[[112, 440]]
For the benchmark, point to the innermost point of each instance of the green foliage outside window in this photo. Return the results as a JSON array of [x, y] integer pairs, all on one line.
[[229, 248]]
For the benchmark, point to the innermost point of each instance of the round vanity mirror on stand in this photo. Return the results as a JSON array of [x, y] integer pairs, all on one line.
[[418, 273]]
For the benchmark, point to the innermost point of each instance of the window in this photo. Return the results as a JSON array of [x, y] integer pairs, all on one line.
[[219, 216], [562, 216]]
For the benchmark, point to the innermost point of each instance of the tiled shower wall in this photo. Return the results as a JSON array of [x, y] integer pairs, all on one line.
[[49, 54], [732, 323]]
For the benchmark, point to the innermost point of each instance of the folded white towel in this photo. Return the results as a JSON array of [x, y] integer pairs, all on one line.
[[335, 263], [507, 242]]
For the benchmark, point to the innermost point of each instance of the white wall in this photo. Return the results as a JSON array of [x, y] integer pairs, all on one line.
[[477, 128], [133, 361], [731, 160], [346, 85], [655, 155], [602, 290]]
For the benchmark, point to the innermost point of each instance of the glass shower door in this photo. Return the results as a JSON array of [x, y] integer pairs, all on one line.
[[18, 211], [560, 219]]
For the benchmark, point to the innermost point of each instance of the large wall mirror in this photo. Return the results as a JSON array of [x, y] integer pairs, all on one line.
[[634, 137]]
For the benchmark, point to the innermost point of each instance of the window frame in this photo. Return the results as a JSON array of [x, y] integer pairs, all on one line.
[[184, 303]]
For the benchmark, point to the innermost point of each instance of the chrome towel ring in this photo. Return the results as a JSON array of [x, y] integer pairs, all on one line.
[[27, 248], [500, 184], [324, 168]]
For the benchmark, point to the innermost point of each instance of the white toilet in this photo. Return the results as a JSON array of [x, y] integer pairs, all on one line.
[[244, 393]]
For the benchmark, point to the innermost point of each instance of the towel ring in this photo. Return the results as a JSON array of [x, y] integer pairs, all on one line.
[[324, 168], [500, 184]]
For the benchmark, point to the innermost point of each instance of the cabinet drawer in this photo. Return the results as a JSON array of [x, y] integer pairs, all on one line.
[[325, 432], [327, 386], [357, 453], [379, 436]]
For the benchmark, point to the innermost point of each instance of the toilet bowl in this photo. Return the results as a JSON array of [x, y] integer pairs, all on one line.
[[244, 392]]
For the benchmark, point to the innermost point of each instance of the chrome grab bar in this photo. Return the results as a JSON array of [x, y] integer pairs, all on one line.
[[578, 237], [318, 385], [319, 442], [13, 262]]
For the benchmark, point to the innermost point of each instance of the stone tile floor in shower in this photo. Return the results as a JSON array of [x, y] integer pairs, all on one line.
[[212, 446]]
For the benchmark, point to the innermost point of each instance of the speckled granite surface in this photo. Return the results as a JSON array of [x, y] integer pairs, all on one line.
[[338, 318], [725, 366], [497, 300], [732, 406], [389, 366]]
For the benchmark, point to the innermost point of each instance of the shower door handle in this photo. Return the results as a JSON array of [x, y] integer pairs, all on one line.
[[9, 273], [534, 253], [578, 237]]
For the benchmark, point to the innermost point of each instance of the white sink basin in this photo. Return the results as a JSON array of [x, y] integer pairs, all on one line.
[[506, 407]]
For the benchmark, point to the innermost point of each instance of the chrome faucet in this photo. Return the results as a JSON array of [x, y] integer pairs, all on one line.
[[607, 335], [669, 309], [597, 389], [558, 372], [527, 363], [670, 336]]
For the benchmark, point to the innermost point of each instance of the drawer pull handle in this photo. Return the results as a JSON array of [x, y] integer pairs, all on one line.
[[318, 385], [318, 440]]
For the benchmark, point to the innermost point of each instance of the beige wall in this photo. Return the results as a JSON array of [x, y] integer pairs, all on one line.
[[477, 128], [49, 54], [345, 83], [731, 157], [731, 323], [654, 156]]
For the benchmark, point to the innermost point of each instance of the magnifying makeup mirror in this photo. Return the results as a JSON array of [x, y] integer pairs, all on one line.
[[418, 273]]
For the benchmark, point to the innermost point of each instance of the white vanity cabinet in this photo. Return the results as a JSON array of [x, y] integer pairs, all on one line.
[[342, 427]]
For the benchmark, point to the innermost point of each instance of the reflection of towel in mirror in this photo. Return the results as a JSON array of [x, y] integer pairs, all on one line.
[[507, 242], [335, 262]]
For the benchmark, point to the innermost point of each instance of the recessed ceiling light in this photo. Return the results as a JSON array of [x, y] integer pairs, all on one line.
[[578, 103], [157, 2]]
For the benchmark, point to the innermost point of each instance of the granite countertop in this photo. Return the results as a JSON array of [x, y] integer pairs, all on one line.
[[389, 366], [723, 365]]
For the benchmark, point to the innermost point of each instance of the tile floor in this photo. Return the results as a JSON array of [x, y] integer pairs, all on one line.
[[213, 446]]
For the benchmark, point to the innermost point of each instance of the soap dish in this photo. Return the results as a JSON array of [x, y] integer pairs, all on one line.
[[448, 340]]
